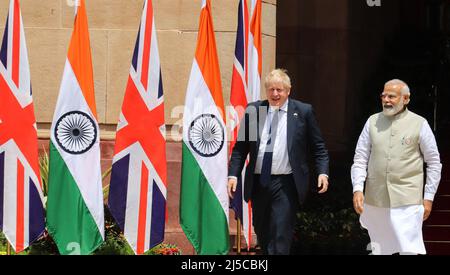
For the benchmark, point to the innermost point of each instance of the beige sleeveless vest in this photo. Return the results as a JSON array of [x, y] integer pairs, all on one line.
[[395, 171]]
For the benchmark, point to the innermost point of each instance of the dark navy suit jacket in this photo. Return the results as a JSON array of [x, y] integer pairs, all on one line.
[[303, 137]]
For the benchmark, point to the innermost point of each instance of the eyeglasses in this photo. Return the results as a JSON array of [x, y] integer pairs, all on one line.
[[389, 96]]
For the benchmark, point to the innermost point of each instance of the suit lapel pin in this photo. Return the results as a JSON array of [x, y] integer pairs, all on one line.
[[295, 115]]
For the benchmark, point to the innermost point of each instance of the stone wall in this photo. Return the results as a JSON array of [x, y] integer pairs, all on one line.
[[113, 28]]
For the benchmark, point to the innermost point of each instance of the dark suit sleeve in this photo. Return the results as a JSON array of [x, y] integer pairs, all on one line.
[[241, 148], [317, 144]]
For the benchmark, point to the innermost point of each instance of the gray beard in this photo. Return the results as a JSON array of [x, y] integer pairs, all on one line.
[[394, 110]]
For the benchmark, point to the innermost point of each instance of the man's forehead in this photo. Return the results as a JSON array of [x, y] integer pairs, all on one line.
[[275, 84], [397, 87]]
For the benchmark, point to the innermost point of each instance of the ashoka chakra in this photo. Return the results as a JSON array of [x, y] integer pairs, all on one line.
[[75, 132], [206, 135]]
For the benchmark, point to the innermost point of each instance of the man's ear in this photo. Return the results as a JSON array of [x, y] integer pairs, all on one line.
[[406, 99]]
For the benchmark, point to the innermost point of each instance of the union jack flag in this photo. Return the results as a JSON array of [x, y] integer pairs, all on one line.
[[22, 217], [137, 198], [240, 96]]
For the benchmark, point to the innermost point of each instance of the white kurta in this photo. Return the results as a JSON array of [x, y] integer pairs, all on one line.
[[396, 230]]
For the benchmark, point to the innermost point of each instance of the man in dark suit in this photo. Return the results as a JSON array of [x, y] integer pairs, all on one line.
[[278, 133]]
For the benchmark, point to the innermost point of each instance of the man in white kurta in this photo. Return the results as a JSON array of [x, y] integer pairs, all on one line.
[[389, 158]]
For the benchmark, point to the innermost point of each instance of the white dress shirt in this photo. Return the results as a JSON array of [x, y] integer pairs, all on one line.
[[429, 151], [280, 159]]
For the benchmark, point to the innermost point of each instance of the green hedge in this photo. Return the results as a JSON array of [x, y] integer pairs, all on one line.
[[115, 244], [327, 223]]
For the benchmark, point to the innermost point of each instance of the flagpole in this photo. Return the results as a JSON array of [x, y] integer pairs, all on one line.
[[8, 248], [238, 239], [77, 3]]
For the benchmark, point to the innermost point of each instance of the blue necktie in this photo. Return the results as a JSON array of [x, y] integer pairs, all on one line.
[[266, 168]]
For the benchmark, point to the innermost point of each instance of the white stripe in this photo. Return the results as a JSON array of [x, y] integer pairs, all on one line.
[[137, 156], [85, 168], [133, 200], [239, 69], [11, 148], [149, 96], [154, 72], [245, 18], [199, 101], [155, 176], [203, 4], [122, 122], [77, 4], [148, 218], [10, 198], [136, 150], [146, 97], [24, 99], [24, 68], [141, 41], [241, 73], [246, 224], [254, 79], [16, 155], [252, 8]]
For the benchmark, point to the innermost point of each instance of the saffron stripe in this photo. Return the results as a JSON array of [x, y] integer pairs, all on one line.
[[256, 31], [20, 207], [80, 57], [207, 59], [147, 45], [142, 210], [16, 44]]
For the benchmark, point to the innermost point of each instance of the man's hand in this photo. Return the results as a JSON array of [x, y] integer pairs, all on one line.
[[232, 183], [427, 205], [322, 183], [358, 202]]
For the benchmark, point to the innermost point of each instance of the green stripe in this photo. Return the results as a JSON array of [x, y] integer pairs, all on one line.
[[201, 215], [69, 220]]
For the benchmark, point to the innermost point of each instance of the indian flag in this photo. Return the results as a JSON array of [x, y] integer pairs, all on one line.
[[204, 199], [75, 200]]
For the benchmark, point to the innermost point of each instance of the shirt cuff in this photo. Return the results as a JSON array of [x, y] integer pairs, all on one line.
[[358, 187], [428, 196], [324, 175], [232, 177]]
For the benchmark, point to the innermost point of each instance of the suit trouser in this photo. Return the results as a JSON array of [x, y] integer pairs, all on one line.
[[274, 213]]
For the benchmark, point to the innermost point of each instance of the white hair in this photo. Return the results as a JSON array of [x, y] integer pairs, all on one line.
[[405, 89]]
